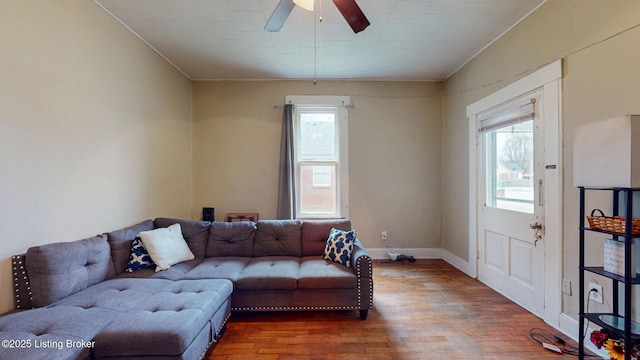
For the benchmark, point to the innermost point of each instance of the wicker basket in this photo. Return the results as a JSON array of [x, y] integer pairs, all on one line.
[[614, 224]]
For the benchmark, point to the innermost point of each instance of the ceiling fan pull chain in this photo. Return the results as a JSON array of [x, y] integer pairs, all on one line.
[[315, 50]]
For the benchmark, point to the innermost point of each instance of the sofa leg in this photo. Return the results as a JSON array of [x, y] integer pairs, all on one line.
[[363, 314]]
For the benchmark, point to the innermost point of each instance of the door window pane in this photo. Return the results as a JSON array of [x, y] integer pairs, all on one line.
[[509, 167]]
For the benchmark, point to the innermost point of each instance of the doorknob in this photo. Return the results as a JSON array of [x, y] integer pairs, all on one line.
[[536, 226]]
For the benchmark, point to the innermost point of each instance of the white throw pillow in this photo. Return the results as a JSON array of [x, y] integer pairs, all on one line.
[[166, 246]]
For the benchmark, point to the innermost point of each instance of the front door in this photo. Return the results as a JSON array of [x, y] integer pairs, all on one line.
[[511, 247]]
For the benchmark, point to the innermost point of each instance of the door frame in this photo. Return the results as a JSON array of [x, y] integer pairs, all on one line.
[[549, 80]]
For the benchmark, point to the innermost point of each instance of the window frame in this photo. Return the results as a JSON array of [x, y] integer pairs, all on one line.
[[341, 104]]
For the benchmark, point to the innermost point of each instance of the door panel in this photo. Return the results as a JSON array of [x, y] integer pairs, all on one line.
[[494, 258], [522, 269]]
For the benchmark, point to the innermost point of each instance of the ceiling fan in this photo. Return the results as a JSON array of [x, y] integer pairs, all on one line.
[[348, 8]]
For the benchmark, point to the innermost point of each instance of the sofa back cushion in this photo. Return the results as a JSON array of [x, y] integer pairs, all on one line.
[[120, 242], [231, 239], [278, 238], [314, 234], [58, 270], [195, 233]]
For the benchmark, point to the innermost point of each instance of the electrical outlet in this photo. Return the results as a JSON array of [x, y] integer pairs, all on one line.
[[384, 235], [595, 296], [566, 286]]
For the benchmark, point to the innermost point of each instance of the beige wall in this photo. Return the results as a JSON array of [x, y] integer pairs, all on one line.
[[601, 79], [95, 128], [395, 152]]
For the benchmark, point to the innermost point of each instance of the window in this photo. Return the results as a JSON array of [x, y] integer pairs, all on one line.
[[510, 167], [320, 127], [508, 135]]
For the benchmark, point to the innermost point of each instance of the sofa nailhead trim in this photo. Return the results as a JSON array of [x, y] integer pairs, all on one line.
[[224, 323], [295, 308], [370, 273], [20, 279], [215, 338]]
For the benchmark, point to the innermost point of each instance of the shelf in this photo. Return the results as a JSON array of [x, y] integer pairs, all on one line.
[[600, 271], [609, 232], [595, 318], [609, 188]]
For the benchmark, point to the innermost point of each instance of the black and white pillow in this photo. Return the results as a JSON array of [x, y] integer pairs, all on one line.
[[340, 246], [139, 257]]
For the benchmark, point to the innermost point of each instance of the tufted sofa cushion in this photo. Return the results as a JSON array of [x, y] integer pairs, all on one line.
[[168, 322], [231, 239], [314, 234], [270, 272], [120, 242], [224, 267], [176, 272], [58, 270], [316, 273], [120, 294], [278, 238], [195, 233], [64, 332]]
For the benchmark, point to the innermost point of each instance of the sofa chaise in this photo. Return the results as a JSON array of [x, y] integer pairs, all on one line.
[[83, 300]]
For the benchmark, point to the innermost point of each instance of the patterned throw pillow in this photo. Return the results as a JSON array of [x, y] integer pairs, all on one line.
[[139, 257], [340, 246]]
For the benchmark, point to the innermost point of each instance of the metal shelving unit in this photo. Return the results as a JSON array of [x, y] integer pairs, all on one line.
[[624, 329]]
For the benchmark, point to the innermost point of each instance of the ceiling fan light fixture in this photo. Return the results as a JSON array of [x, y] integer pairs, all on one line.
[[305, 4]]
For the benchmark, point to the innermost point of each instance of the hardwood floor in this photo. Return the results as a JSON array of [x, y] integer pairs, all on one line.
[[422, 310]]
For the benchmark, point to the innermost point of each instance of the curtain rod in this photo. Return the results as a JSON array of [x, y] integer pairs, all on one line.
[[346, 106]]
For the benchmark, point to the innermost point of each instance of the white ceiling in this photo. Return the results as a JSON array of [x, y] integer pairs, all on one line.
[[407, 39]]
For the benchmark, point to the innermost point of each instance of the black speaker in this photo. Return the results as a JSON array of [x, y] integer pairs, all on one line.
[[208, 214]]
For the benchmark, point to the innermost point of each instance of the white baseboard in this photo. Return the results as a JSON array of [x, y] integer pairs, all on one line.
[[458, 263], [426, 253], [418, 253]]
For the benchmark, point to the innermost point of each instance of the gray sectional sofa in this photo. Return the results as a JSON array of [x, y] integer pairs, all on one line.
[[76, 301]]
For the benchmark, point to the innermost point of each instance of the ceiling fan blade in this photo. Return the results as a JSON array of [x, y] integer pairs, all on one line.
[[279, 15], [353, 14]]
